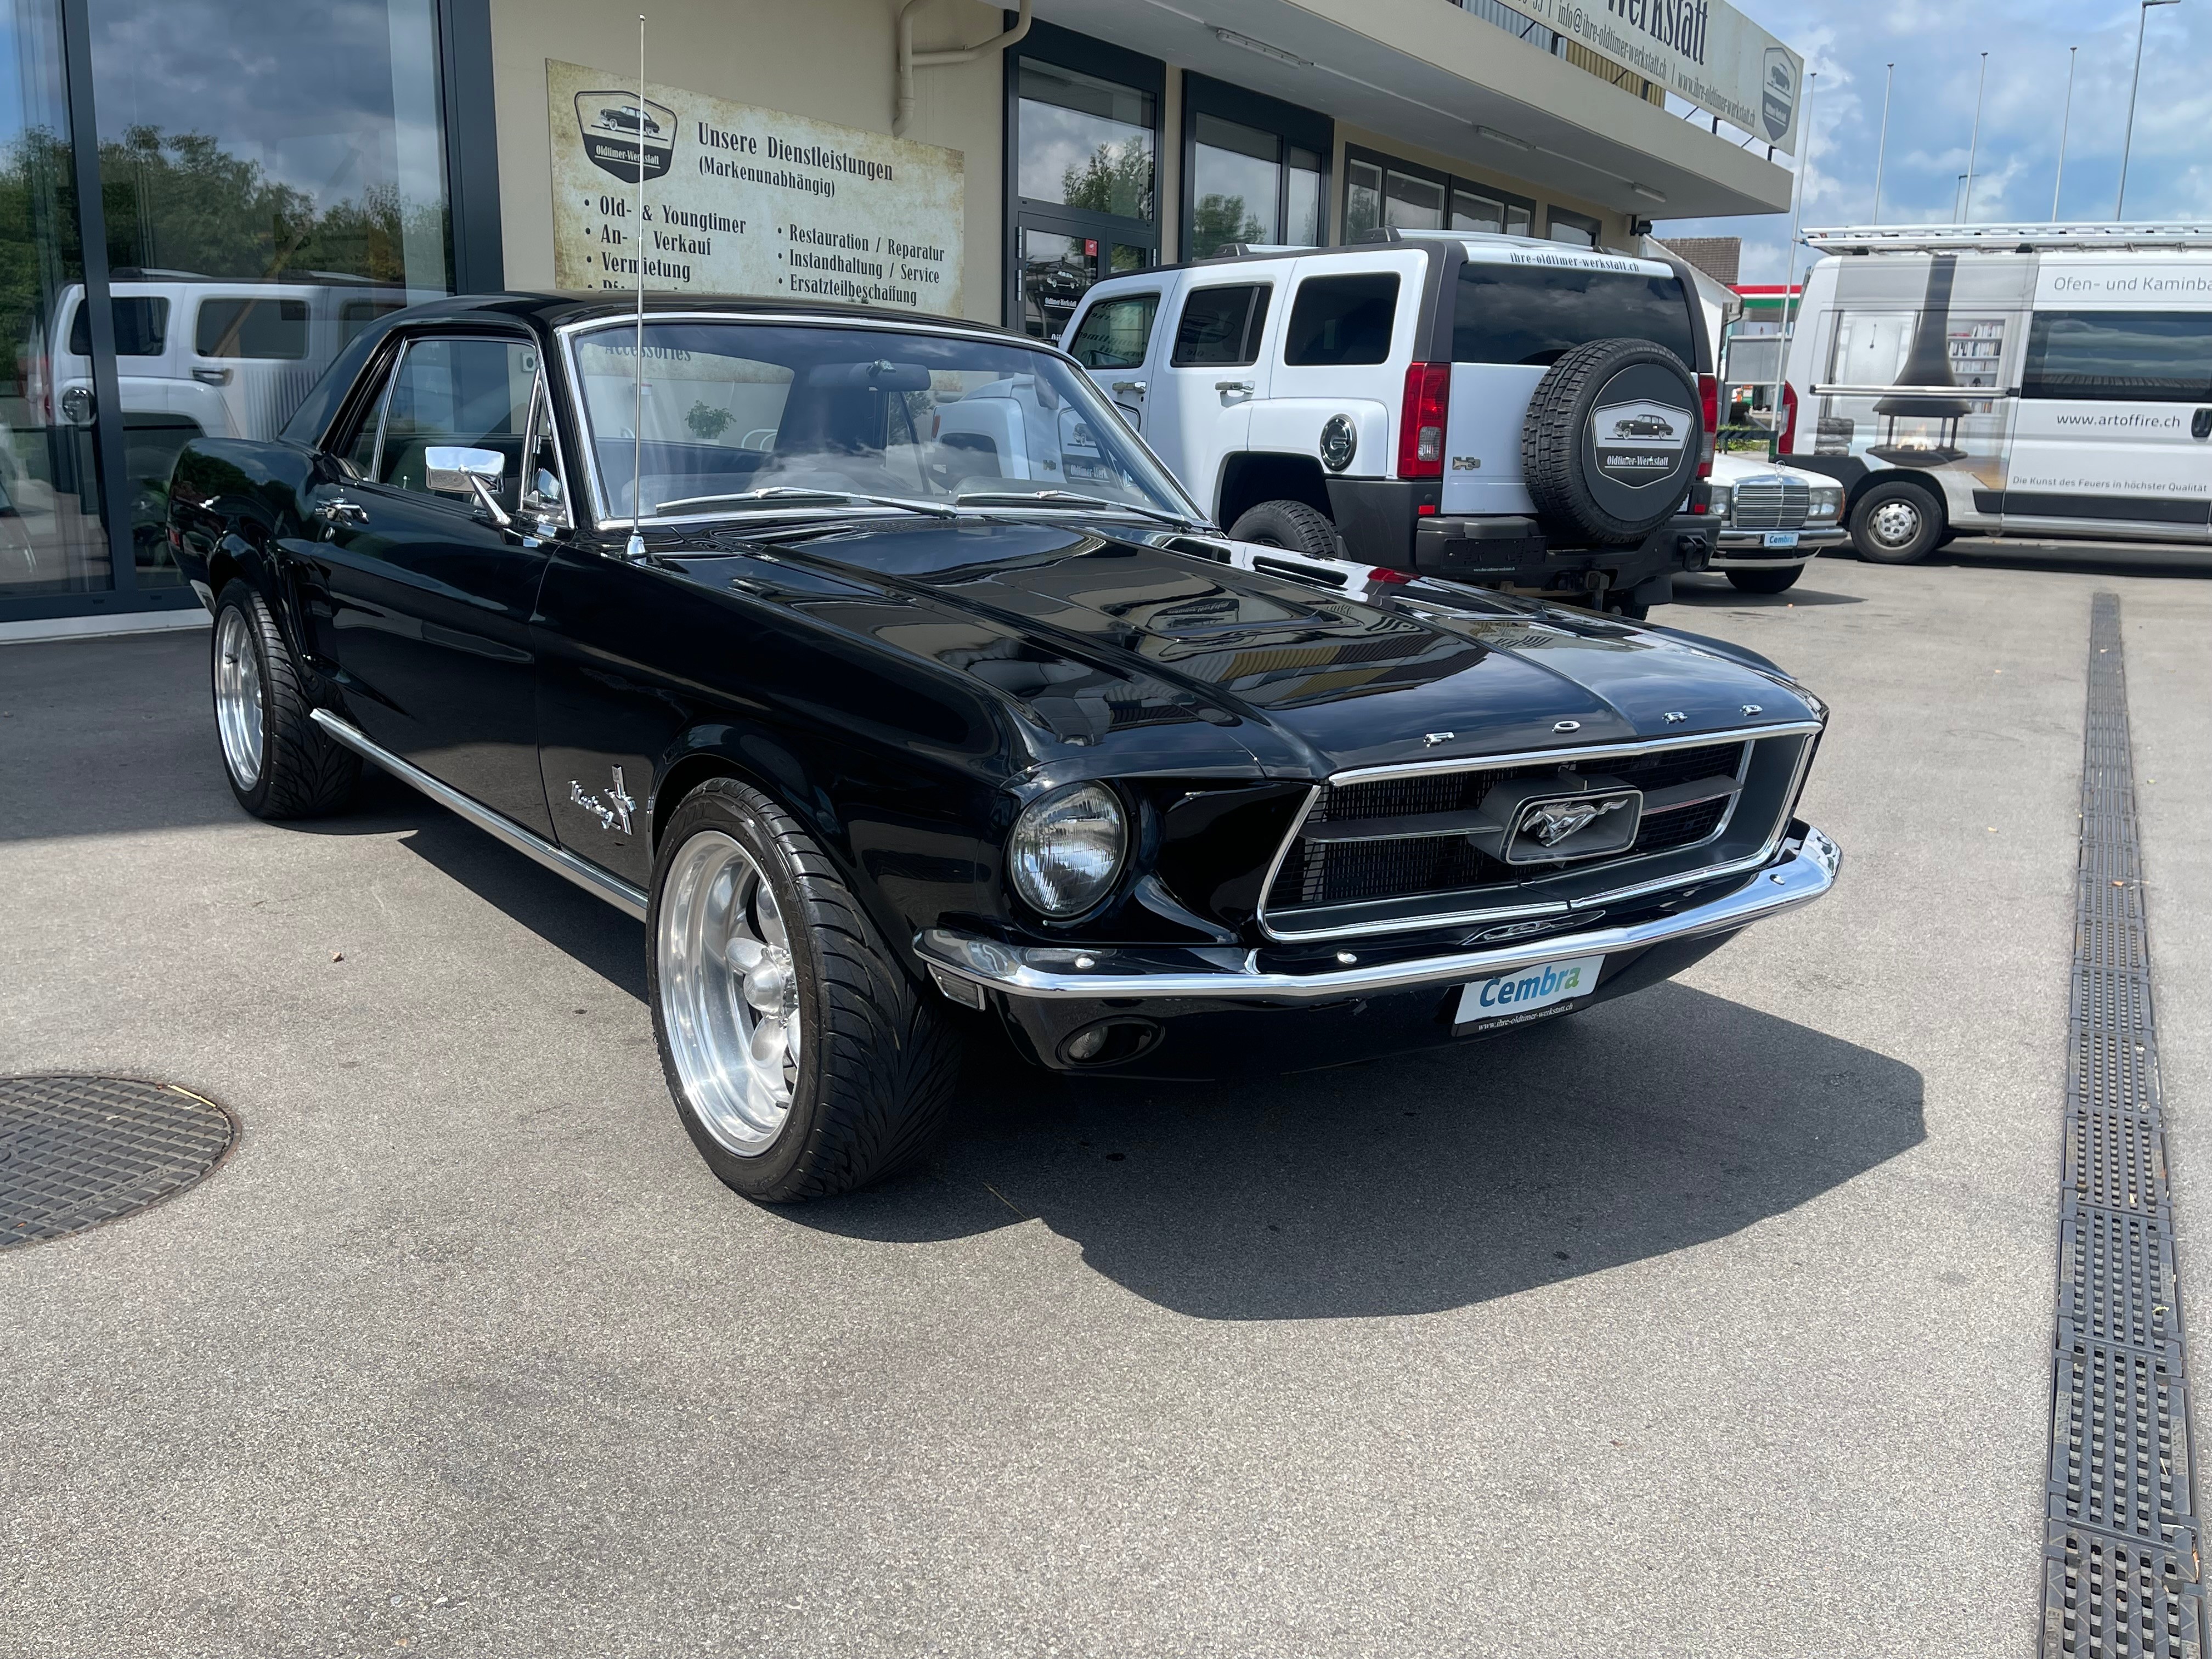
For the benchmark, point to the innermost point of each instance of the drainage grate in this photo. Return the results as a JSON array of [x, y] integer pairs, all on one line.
[[78, 1150], [2122, 1576]]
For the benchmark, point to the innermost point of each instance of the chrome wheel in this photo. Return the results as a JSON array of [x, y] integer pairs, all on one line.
[[729, 993], [238, 714], [1895, 523]]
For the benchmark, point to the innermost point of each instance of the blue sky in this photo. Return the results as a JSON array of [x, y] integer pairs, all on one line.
[[1937, 48]]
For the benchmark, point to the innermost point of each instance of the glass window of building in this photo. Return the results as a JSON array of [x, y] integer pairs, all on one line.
[[1410, 203], [1573, 227], [1473, 209], [1084, 177], [1085, 142], [1362, 197], [1248, 186], [1237, 178], [53, 536], [272, 202], [1252, 171], [1301, 194]]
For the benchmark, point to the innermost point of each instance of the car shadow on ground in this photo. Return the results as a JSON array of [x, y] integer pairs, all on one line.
[[1417, 1183], [2174, 559], [1409, 1184], [1716, 589]]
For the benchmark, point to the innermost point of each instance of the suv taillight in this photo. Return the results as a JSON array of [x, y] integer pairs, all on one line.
[[1787, 443], [1709, 401], [1421, 420]]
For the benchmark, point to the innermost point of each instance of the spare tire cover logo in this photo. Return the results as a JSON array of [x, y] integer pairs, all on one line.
[[1640, 443]]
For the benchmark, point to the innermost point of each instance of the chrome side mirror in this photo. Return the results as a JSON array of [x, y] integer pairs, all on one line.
[[455, 468]]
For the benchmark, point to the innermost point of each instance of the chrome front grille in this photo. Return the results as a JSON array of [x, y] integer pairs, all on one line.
[[1413, 846], [1771, 503]]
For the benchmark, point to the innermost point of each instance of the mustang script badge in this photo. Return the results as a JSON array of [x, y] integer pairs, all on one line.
[[613, 813], [1553, 821]]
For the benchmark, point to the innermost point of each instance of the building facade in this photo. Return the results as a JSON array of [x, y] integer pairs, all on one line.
[[204, 199]]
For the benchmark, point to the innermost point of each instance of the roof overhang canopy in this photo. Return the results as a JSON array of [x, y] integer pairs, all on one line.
[[1430, 75]]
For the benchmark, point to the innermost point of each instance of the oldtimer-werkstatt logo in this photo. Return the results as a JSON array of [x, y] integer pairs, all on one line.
[[618, 125], [1777, 93]]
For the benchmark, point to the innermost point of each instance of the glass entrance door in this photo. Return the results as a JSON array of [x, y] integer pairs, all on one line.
[[54, 533], [1059, 263], [1085, 203]]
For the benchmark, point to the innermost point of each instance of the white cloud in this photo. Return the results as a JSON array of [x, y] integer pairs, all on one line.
[[1937, 50]]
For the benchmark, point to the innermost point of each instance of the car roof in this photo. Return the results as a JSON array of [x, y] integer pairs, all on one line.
[[1372, 242]]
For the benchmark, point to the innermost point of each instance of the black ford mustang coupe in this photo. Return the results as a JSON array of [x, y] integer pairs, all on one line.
[[891, 724]]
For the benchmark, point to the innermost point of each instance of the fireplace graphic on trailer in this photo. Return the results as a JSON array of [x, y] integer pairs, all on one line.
[[1933, 387]]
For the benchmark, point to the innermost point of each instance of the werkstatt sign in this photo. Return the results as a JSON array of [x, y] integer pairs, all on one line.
[[1704, 51], [741, 200]]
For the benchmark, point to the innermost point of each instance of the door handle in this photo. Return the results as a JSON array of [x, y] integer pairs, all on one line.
[[2199, 425], [342, 512], [1232, 386], [1136, 386]]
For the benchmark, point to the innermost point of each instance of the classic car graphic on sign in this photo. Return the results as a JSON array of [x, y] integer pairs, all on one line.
[[616, 126], [1778, 94], [1642, 442], [896, 736]]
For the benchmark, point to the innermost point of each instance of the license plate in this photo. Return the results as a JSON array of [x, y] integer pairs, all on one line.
[[1780, 539], [1508, 999]]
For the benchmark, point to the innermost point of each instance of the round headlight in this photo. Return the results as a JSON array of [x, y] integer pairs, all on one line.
[[1067, 848]]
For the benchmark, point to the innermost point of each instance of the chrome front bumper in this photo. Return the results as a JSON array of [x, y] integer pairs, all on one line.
[[1749, 546], [964, 966]]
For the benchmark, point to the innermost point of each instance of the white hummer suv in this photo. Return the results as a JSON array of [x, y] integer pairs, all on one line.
[[1510, 413]]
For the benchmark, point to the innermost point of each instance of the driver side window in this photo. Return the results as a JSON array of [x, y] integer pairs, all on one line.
[[473, 394]]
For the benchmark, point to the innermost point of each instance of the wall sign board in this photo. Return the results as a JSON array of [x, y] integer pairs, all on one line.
[[745, 200]]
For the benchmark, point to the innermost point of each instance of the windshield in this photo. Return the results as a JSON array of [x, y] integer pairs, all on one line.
[[741, 417]]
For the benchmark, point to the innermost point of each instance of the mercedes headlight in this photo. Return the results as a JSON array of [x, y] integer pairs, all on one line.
[[1067, 849], [1718, 501], [1828, 503]]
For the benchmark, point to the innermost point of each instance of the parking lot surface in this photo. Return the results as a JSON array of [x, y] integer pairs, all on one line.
[[1714, 1320]]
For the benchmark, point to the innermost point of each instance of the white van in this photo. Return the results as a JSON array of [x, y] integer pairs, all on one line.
[[1507, 412], [2013, 380]]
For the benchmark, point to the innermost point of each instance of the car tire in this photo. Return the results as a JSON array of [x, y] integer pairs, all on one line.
[[279, 763], [751, 927], [1896, 523], [1766, 581], [1568, 482], [1292, 526]]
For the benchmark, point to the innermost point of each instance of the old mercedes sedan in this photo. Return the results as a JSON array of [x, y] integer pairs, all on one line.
[[875, 665]]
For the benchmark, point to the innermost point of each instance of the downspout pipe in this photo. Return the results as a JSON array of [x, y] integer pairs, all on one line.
[[909, 60]]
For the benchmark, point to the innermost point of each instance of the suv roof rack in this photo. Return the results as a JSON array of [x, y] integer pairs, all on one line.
[[2009, 239], [1399, 233]]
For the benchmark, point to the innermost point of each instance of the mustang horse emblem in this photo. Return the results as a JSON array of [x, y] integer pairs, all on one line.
[[1552, 822], [613, 813]]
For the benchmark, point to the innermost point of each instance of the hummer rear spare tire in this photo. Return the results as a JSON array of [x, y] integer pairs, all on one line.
[[1611, 442]]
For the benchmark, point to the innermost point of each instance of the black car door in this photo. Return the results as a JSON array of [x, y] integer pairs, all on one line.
[[419, 599]]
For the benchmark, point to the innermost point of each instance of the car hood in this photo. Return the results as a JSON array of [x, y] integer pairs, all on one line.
[[1316, 666]]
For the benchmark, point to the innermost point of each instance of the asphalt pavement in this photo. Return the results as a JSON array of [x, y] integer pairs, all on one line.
[[1714, 1320]]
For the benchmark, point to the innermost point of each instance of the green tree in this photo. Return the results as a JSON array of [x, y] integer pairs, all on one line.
[[1217, 220], [1112, 178]]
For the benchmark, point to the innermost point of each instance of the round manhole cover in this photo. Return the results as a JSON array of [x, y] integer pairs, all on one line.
[[78, 1150]]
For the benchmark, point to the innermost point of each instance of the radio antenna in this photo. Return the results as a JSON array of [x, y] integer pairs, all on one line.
[[636, 548]]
